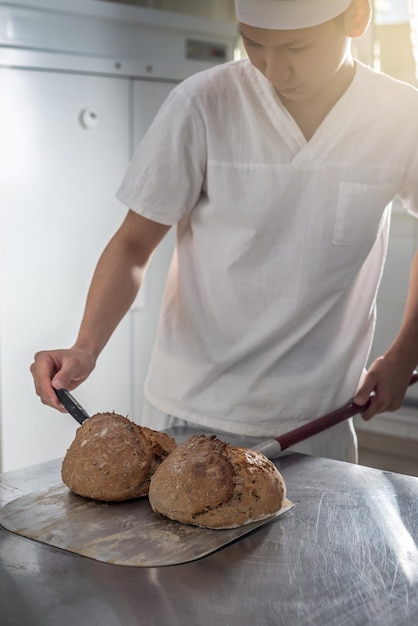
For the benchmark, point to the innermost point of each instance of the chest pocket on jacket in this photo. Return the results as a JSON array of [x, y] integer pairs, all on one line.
[[360, 212]]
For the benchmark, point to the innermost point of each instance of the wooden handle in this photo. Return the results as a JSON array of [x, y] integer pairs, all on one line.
[[73, 407], [327, 421]]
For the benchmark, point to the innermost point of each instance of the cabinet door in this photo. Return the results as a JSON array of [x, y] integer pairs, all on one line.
[[64, 150], [148, 97]]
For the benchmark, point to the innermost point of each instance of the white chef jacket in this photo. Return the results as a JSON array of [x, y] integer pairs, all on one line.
[[269, 309]]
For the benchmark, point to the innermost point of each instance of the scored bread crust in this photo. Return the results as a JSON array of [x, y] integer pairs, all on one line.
[[113, 459], [207, 482]]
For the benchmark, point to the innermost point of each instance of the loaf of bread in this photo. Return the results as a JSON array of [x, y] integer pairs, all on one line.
[[207, 482], [113, 459]]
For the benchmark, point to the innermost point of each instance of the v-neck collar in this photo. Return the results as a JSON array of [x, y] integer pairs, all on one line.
[[287, 126]]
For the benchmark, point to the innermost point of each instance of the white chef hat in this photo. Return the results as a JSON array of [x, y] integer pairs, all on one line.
[[288, 14]]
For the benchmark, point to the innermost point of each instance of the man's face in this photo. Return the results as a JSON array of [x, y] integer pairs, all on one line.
[[300, 64]]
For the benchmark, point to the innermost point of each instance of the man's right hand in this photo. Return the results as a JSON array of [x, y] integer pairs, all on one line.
[[60, 369], [114, 286]]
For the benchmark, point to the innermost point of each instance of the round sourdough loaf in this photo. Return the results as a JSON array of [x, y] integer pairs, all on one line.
[[207, 482], [113, 459]]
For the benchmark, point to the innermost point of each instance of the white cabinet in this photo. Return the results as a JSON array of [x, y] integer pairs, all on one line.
[[147, 96], [67, 140], [80, 82], [58, 178]]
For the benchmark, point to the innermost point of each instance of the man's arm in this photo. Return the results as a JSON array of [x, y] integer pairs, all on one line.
[[114, 286], [390, 374]]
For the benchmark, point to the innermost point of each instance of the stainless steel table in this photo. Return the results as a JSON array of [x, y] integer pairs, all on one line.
[[346, 554]]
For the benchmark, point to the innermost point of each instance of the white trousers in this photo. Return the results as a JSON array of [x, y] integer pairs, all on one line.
[[338, 442]]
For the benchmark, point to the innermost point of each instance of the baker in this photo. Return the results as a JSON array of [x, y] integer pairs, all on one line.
[[277, 172]]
